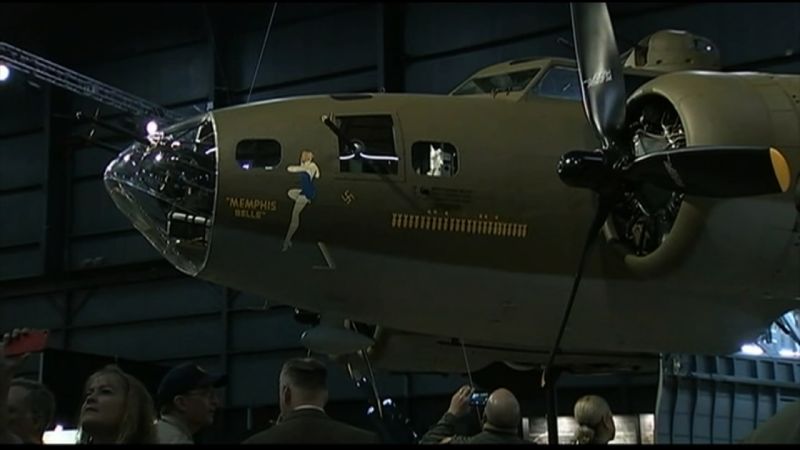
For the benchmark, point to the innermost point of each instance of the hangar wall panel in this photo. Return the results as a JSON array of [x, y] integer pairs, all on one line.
[[22, 107], [22, 160], [130, 247], [94, 211], [246, 300], [268, 330], [211, 364], [295, 12], [433, 384], [388, 385], [148, 301], [117, 31], [316, 47], [364, 81], [33, 312], [720, 400], [252, 378], [173, 75], [197, 106], [440, 27], [175, 338], [92, 161], [20, 262], [21, 217]]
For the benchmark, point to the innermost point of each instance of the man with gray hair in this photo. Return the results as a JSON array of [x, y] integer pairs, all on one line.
[[31, 407], [303, 394]]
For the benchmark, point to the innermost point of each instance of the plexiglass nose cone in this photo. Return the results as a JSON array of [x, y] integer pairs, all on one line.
[[167, 190]]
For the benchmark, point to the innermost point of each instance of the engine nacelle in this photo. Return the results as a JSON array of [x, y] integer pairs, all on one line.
[[691, 109]]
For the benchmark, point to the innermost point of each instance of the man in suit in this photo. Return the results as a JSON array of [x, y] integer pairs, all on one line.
[[501, 420], [303, 394]]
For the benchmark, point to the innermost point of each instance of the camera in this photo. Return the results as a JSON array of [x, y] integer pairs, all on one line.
[[478, 398]]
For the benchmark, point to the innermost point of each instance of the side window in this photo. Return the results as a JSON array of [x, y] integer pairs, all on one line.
[[374, 150], [434, 159], [258, 154]]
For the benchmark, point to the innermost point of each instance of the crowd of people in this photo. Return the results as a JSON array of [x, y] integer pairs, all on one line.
[[117, 408]]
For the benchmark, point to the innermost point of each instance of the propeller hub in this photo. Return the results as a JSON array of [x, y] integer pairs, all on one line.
[[585, 169]]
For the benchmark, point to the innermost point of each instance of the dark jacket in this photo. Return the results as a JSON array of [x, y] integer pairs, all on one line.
[[445, 428], [310, 426]]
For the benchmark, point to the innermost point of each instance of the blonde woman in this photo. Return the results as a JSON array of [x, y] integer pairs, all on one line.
[[308, 171], [117, 409], [595, 421]]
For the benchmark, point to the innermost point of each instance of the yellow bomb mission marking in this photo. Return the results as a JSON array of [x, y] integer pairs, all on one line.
[[251, 208], [482, 226]]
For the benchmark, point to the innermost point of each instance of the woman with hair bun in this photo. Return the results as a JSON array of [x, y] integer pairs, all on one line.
[[595, 421]]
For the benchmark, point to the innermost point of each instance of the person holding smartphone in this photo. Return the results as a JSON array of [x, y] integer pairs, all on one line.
[[501, 419]]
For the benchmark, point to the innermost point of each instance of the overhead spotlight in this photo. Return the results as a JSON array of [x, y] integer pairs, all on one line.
[[152, 127], [4, 72], [752, 349]]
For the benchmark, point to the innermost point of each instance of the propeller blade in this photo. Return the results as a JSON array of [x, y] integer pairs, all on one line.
[[600, 70], [712, 171], [603, 209]]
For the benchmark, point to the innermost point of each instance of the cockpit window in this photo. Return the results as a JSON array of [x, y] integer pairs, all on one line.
[[258, 154], [564, 82], [504, 82], [559, 82]]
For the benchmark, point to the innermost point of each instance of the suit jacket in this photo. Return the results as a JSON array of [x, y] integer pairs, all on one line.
[[311, 426], [445, 428]]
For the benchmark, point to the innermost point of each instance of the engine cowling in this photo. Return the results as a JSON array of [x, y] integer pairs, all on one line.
[[655, 229]]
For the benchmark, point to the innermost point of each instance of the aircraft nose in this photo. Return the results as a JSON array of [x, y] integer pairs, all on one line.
[[166, 189]]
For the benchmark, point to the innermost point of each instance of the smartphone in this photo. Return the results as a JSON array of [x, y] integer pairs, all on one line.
[[33, 341], [478, 398]]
